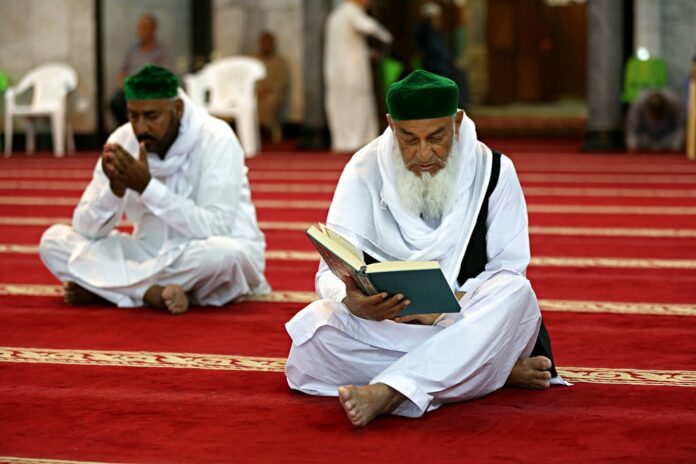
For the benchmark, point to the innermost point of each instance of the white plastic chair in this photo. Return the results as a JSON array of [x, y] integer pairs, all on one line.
[[51, 84], [230, 87]]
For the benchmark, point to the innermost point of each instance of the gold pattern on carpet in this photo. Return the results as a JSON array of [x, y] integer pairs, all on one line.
[[146, 359]]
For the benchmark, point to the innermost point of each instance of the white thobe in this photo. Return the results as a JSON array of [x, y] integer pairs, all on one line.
[[350, 99], [195, 227], [463, 356]]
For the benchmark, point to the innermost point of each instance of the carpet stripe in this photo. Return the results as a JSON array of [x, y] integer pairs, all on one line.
[[324, 205], [15, 460], [327, 188], [612, 376], [302, 297], [333, 176], [301, 226], [546, 261]]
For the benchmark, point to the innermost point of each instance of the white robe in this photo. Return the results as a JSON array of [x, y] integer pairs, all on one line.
[[194, 225], [350, 99], [464, 355]]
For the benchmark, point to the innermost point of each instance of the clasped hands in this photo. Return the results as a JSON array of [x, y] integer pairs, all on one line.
[[381, 306], [123, 170]]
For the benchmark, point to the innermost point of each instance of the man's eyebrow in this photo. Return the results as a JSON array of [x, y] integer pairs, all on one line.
[[437, 131]]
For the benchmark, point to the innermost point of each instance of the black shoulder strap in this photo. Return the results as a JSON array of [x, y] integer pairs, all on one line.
[[475, 257]]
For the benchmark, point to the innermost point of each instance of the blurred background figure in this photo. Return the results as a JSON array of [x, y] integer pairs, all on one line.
[[272, 92], [350, 101], [432, 49], [147, 50], [655, 122]]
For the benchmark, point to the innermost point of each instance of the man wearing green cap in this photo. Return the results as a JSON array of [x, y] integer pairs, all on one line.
[[426, 189], [178, 174]]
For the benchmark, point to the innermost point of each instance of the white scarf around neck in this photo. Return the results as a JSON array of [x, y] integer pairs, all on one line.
[[366, 207]]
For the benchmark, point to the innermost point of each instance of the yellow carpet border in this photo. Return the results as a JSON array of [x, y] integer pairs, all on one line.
[[542, 261], [147, 359], [303, 297], [17, 460]]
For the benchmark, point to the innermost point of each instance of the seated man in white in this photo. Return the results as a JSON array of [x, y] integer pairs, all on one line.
[[178, 174], [426, 189]]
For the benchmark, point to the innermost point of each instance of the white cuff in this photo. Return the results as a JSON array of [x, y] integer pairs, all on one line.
[[154, 194], [108, 201]]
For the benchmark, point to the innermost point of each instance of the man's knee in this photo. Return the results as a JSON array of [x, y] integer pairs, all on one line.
[[54, 242], [217, 254]]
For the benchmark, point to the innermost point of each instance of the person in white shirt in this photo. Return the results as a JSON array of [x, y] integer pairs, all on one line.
[[178, 174], [350, 101], [426, 189]]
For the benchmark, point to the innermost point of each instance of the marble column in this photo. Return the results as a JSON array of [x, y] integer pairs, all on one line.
[[604, 79], [315, 129]]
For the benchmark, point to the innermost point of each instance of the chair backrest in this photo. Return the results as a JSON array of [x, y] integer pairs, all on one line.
[[231, 82], [50, 81]]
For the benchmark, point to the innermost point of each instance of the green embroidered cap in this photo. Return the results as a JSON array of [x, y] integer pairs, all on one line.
[[151, 83], [422, 95]]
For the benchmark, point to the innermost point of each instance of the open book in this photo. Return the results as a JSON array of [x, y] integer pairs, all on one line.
[[422, 282]]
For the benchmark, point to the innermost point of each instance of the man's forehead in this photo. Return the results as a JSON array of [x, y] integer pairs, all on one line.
[[151, 104], [423, 126]]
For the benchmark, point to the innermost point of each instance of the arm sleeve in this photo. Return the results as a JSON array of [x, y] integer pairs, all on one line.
[[507, 228], [369, 26], [329, 286], [214, 209], [99, 210]]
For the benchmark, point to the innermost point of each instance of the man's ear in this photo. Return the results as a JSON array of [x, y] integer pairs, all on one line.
[[390, 122], [458, 118], [179, 106]]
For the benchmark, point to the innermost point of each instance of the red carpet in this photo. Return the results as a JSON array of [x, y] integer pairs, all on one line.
[[614, 245]]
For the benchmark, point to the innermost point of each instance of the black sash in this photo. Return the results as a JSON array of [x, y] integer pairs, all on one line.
[[475, 259]]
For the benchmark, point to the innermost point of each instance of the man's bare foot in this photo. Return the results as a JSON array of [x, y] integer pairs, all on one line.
[[172, 297], [362, 404], [530, 373], [74, 295]]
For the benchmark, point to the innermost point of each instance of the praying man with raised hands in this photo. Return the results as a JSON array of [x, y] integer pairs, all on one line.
[[178, 174], [426, 189]]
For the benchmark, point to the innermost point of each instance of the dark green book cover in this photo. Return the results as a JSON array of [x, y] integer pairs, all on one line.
[[426, 288]]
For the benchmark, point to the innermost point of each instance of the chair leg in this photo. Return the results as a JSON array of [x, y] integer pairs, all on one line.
[[30, 136], [70, 137], [247, 135], [8, 135], [58, 133]]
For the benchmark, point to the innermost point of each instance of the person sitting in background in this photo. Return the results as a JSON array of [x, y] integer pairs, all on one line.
[[655, 122], [273, 90], [179, 176], [148, 50]]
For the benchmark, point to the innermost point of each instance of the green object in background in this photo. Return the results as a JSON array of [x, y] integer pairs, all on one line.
[[4, 81], [643, 74], [391, 71]]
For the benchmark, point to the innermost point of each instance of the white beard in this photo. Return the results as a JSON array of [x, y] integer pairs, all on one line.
[[427, 195]]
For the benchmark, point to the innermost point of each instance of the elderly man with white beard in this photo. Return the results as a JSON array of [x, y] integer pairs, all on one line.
[[426, 189]]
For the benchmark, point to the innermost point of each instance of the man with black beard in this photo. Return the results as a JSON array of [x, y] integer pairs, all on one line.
[[178, 175], [426, 189]]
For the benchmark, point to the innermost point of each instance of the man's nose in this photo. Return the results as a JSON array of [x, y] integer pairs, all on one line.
[[139, 126], [424, 151]]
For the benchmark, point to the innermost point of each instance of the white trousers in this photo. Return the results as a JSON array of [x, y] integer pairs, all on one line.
[[215, 270], [429, 365]]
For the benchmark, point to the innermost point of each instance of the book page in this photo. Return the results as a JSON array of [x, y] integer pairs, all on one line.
[[402, 266], [340, 260]]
